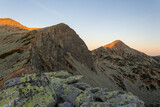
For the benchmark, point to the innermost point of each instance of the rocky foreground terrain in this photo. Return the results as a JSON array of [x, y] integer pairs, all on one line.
[[29, 52], [61, 89]]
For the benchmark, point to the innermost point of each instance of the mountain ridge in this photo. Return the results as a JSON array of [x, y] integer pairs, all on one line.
[[59, 47], [8, 22]]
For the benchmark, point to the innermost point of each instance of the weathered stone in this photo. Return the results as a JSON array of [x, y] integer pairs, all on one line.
[[61, 74], [103, 104], [48, 89], [82, 86], [118, 98], [73, 79], [86, 96], [66, 104], [94, 90], [12, 82]]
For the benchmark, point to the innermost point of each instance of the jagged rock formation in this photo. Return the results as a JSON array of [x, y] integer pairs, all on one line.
[[130, 69], [62, 90]]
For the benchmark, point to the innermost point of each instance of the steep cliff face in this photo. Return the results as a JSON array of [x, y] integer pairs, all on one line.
[[130, 70], [54, 45]]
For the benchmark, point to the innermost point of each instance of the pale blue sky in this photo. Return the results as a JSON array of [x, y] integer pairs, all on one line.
[[98, 22]]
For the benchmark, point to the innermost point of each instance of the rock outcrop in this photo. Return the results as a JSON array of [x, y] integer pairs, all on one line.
[[63, 90]]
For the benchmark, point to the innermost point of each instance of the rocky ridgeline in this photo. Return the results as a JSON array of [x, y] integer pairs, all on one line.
[[115, 66], [61, 89]]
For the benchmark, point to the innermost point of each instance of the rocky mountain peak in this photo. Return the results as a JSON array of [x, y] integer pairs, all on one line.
[[118, 44]]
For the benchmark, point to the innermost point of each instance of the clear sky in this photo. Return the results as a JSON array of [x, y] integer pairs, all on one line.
[[98, 22]]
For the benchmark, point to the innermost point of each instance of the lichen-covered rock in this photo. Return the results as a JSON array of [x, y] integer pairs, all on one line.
[[65, 104], [60, 89], [119, 98], [86, 96], [104, 104], [82, 86]]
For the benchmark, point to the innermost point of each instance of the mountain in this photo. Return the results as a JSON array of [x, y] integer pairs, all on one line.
[[42, 50], [47, 50], [130, 70], [26, 51], [119, 49]]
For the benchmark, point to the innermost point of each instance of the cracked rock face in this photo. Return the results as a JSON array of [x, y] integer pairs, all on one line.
[[59, 89]]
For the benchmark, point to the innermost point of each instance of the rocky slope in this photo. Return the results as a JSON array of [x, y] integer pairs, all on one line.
[[130, 69], [61, 89]]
